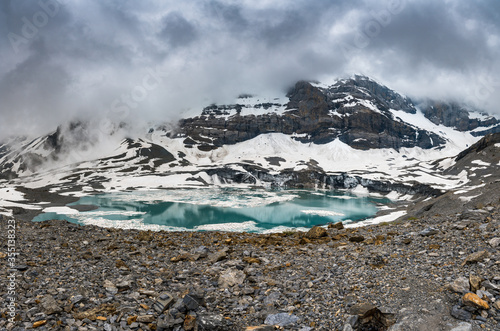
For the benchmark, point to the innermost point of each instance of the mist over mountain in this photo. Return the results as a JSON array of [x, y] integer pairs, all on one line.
[[118, 61]]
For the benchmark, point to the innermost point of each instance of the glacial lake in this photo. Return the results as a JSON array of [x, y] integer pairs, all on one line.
[[218, 209]]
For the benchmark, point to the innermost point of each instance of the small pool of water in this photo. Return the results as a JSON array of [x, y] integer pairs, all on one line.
[[219, 209]]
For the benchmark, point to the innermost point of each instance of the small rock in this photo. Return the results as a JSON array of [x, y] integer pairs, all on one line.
[[192, 301], [182, 257], [210, 322], [20, 267], [357, 239], [110, 287], [281, 319], [460, 314], [260, 328], [485, 295], [472, 300], [120, 264], [251, 260], [475, 282], [429, 232], [76, 299], [167, 322], [464, 326], [145, 319], [460, 285], [490, 286], [304, 241], [124, 284], [352, 320], [231, 277], [217, 256], [338, 226], [49, 305], [316, 232], [163, 301], [495, 242], [39, 323], [131, 319], [361, 309], [202, 251], [496, 305], [189, 322], [475, 257], [3, 255]]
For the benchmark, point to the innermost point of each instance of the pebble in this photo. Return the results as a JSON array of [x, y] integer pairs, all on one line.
[[281, 319], [472, 300], [460, 285], [460, 314], [429, 232], [464, 326]]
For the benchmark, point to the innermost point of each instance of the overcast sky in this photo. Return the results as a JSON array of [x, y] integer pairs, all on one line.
[[160, 60]]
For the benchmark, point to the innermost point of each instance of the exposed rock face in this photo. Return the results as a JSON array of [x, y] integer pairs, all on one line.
[[356, 111], [485, 142], [454, 115]]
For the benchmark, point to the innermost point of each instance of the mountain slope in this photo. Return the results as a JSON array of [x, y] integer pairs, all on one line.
[[357, 111], [481, 163], [355, 132]]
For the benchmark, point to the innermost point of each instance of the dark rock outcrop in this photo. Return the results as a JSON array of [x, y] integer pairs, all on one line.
[[356, 111], [454, 115], [485, 142]]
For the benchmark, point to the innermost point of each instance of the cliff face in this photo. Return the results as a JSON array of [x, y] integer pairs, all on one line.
[[357, 111], [456, 116]]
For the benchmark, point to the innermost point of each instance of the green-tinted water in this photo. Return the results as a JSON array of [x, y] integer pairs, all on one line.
[[226, 209]]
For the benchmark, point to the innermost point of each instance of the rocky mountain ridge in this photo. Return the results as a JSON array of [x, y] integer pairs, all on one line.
[[357, 111], [355, 132]]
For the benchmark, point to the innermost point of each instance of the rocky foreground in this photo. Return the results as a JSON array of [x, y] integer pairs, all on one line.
[[434, 273]]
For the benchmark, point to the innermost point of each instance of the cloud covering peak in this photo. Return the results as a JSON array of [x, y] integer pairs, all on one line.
[[160, 60]]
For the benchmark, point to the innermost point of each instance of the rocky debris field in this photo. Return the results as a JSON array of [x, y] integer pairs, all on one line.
[[433, 273]]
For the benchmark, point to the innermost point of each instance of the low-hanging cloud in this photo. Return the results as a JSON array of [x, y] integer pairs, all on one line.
[[160, 60]]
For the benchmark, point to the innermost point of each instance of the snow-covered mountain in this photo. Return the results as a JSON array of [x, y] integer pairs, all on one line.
[[355, 132]]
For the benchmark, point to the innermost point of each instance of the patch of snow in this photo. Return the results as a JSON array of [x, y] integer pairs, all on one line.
[[468, 189], [321, 212], [481, 163], [5, 212], [10, 193], [468, 199], [360, 190], [455, 138], [395, 196], [484, 128], [365, 103], [479, 116], [380, 219], [61, 210]]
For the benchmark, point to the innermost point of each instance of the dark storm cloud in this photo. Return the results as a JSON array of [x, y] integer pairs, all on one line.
[[158, 60], [177, 31], [229, 14]]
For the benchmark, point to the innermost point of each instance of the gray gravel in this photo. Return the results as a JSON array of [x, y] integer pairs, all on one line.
[[408, 275]]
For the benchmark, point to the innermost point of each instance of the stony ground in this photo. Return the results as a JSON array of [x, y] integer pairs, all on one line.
[[416, 274]]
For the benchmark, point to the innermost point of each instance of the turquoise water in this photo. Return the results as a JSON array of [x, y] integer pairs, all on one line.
[[220, 209]]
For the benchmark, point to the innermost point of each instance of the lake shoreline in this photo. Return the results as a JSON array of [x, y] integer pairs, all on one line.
[[237, 211]]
